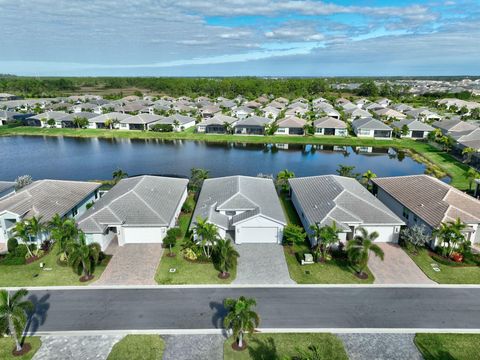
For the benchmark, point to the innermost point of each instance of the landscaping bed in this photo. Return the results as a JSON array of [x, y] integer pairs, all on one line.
[[448, 346], [138, 347], [454, 273], [286, 346], [7, 345]]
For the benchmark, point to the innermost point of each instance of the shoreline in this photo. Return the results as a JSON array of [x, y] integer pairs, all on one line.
[[438, 162]]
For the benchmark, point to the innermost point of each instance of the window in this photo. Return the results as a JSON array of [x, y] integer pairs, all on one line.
[[406, 213], [230, 213], [363, 132], [74, 211], [415, 218]]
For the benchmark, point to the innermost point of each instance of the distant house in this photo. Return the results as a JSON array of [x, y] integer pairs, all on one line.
[[469, 139], [43, 119], [372, 128], [6, 188], [178, 122], [356, 113], [100, 121], [245, 209], [423, 114], [137, 210], [330, 126], [242, 112], [271, 112], [291, 126], [254, 125], [68, 121], [328, 199], [209, 111], [95, 108], [416, 128], [216, 124], [389, 114], [253, 105], [43, 199], [138, 122], [8, 97], [296, 111], [425, 200], [8, 116], [454, 126]]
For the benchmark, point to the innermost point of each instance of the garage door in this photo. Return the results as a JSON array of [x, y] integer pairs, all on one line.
[[262, 235]]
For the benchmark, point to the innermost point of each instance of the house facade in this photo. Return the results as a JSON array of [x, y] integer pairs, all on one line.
[[330, 126], [291, 126], [371, 128]]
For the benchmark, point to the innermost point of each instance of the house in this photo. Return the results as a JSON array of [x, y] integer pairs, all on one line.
[[416, 128], [326, 199], [271, 112], [254, 125], [356, 113], [7, 116], [468, 139], [178, 122], [138, 122], [423, 114], [43, 199], [99, 122], [389, 114], [43, 119], [291, 126], [95, 108], [402, 107], [68, 121], [6, 188], [219, 124], [245, 209], [7, 97], [253, 105], [242, 112], [296, 111], [139, 209], [330, 126], [453, 126], [425, 200], [384, 102], [209, 111], [278, 105], [373, 128]]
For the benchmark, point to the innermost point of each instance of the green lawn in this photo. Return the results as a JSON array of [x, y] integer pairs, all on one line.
[[448, 346], [33, 275], [447, 274], [187, 272], [138, 347], [7, 345], [427, 153], [335, 271], [286, 346]]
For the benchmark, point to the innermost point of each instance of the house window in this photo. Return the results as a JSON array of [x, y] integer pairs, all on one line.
[[405, 213], [363, 132], [415, 218], [281, 130], [230, 213], [74, 211]]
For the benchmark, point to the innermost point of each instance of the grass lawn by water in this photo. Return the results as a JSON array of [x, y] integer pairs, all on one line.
[[7, 345], [138, 347], [448, 346], [286, 346], [33, 275], [335, 271], [187, 272], [447, 274], [438, 158]]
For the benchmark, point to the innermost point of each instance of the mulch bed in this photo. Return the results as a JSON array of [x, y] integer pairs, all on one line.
[[171, 255], [223, 276], [361, 276], [25, 349], [238, 348], [86, 278], [447, 261], [35, 258]]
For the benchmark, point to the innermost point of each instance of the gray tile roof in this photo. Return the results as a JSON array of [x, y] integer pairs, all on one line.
[[46, 198], [329, 198], [182, 119], [5, 185], [413, 125], [138, 201], [292, 122], [453, 125], [370, 123], [431, 199], [255, 195], [254, 121], [109, 116], [141, 119], [330, 123], [71, 117], [55, 115]]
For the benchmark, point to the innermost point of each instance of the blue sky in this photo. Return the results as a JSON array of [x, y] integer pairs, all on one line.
[[239, 37]]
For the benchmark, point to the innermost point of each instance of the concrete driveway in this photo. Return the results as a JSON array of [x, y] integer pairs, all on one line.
[[397, 267], [261, 264], [131, 264]]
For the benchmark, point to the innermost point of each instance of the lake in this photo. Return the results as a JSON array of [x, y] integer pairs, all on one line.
[[92, 158]]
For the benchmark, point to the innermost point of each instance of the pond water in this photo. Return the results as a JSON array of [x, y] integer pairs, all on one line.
[[92, 158]]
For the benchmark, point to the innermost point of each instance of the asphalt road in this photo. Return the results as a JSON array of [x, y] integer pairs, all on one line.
[[284, 308]]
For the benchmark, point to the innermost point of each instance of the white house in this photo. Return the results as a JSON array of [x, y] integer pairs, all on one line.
[[43, 199], [216, 124], [425, 200], [245, 209], [138, 122], [291, 125], [416, 128], [137, 210], [330, 126], [178, 122], [99, 122], [371, 128]]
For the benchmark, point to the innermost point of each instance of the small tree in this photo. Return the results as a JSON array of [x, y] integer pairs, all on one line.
[[359, 248], [450, 234], [83, 257], [118, 175], [207, 234], [283, 177], [170, 240], [367, 177], [22, 181], [471, 174], [197, 177], [13, 312], [468, 153], [347, 171], [416, 236], [326, 236], [241, 318], [80, 122], [225, 257], [294, 234]]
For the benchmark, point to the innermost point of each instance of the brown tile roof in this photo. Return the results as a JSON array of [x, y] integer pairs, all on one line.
[[431, 199]]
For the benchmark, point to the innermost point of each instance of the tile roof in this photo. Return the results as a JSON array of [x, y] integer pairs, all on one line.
[[413, 125], [5, 185], [109, 116], [330, 123], [370, 123], [292, 122]]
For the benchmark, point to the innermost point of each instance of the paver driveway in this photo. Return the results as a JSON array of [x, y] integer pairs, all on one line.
[[132, 264], [397, 267], [261, 264]]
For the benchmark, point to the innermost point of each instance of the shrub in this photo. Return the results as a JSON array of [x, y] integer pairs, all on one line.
[[187, 207], [189, 254], [176, 232], [12, 244], [20, 251], [13, 260], [162, 128], [46, 245]]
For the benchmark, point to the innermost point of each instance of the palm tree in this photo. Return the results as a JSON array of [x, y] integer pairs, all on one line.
[[347, 171], [208, 235], [471, 174], [13, 310], [228, 127], [63, 231], [467, 153], [241, 318], [282, 179], [450, 234], [118, 175], [20, 231], [35, 228], [368, 176], [225, 256], [83, 257], [328, 235], [358, 250]]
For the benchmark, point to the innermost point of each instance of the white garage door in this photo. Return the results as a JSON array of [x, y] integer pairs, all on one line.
[[257, 235]]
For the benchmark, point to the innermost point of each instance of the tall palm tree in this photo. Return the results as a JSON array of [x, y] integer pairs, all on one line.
[[82, 256], [240, 317], [13, 310], [467, 153], [225, 256], [35, 228], [118, 175], [20, 232], [63, 231], [450, 233], [207, 234], [471, 174], [368, 176], [329, 236], [282, 179], [358, 249]]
